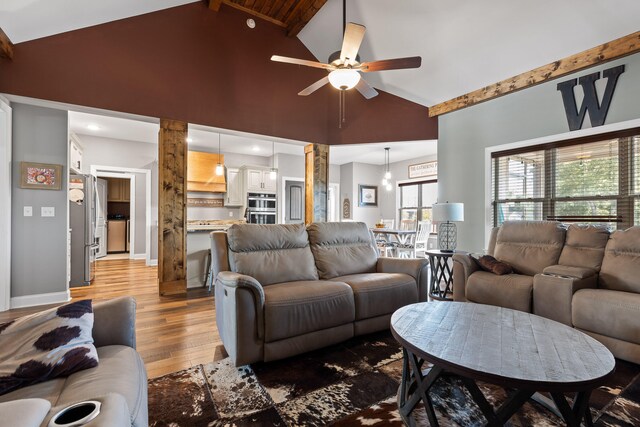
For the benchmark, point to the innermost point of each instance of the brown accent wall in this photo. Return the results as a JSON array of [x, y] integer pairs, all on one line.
[[192, 64]]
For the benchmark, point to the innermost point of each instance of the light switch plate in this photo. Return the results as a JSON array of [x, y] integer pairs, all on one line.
[[231, 214], [28, 211], [47, 211]]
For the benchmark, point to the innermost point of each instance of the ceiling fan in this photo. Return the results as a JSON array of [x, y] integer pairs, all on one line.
[[344, 66]]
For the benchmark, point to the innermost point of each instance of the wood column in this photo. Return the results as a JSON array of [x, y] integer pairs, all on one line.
[[172, 207], [6, 47], [316, 182]]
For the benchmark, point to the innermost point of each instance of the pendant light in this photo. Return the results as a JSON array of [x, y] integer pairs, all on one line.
[[273, 174], [219, 167], [386, 181]]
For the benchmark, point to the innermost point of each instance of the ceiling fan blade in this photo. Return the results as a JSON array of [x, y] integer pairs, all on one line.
[[314, 87], [365, 89], [391, 64], [353, 35], [304, 62]]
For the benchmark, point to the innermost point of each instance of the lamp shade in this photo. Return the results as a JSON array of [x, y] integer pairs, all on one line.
[[448, 212], [344, 78]]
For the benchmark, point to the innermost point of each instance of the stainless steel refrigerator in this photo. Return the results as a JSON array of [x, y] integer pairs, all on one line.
[[82, 221]]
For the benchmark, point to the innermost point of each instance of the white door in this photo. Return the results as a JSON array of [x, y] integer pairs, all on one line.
[[254, 180], [268, 184], [101, 217], [234, 188], [5, 201]]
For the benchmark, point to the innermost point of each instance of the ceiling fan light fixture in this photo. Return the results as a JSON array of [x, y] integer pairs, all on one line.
[[344, 78]]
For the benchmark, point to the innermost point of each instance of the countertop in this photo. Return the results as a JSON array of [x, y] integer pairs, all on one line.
[[197, 225]]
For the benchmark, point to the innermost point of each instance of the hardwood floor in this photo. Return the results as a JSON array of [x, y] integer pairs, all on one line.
[[173, 333]]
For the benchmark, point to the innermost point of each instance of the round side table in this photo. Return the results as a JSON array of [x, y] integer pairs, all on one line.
[[441, 272]]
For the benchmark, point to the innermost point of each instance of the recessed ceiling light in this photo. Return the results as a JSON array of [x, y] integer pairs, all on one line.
[[189, 139], [93, 127], [255, 148]]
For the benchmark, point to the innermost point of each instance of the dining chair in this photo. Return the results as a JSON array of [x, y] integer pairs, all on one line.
[[422, 238], [389, 223], [408, 248], [385, 246]]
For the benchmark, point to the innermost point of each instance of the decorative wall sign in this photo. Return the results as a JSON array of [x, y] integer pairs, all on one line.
[[205, 203], [40, 176], [597, 110], [423, 169], [368, 195], [346, 208]]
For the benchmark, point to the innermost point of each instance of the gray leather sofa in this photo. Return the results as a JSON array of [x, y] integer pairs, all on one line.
[[119, 381], [283, 290], [582, 276]]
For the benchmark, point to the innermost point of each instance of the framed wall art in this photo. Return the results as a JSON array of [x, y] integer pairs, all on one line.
[[368, 195], [40, 176]]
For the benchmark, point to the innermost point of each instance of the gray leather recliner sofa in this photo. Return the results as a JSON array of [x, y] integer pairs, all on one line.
[[119, 382], [581, 276], [282, 290]]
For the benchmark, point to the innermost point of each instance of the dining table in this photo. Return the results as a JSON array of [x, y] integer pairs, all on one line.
[[402, 237]]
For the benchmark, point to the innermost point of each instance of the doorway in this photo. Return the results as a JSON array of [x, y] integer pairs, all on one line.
[[5, 199], [116, 233], [293, 201]]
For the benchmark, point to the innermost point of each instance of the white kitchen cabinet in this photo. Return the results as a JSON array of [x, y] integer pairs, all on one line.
[[75, 156], [258, 181], [235, 195]]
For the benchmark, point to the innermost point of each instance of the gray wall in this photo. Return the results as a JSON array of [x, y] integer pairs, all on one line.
[[126, 154], [521, 116], [39, 245]]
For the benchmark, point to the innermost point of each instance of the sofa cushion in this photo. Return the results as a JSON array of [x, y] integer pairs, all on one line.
[[584, 246], [271, 253], [621, 264], [529, 246], [376, 294], [509, 291], [297, 308], [611, 313], [569, 271], [45, 345], [342, 248], [121, 370]]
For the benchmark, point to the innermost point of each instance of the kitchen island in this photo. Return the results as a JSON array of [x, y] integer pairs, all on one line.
[[198, 246]]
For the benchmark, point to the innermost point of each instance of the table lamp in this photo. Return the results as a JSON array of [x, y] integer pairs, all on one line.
[[446, 214]]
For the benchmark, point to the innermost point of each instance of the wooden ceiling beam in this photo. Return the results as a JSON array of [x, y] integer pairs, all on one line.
[[215, 5], [301, 16], [615, 49], [6, 47], [254, 13]]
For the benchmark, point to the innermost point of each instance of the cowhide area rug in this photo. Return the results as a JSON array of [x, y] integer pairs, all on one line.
[[351, 384]]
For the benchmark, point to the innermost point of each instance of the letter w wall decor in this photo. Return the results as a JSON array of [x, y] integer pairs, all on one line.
[[597, 111]]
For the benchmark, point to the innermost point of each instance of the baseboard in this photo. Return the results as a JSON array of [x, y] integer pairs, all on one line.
[[152, 263], [139, 256], [40, 299]]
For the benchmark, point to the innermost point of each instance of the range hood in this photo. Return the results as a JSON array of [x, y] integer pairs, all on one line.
[[201, 172]]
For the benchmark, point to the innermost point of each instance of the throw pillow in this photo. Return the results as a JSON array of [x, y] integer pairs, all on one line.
[[492, 265], [42, 346]]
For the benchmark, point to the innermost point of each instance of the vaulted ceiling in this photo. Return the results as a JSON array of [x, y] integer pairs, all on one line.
[[464, 44]]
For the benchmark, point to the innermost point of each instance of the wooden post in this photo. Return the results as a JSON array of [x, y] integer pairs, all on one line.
[[172, 207], [316, 182]]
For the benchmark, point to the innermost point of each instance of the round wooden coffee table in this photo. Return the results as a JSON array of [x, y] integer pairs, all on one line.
[[509, 348]]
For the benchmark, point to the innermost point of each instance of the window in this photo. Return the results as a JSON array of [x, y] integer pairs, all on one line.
[[416, 200], [594, 180]]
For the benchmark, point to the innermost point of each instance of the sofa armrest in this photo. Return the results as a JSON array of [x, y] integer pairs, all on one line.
[[115, 322], [239, 303], [552, 295], [569, 271], [416, 268], [463, 267], [24, 412]]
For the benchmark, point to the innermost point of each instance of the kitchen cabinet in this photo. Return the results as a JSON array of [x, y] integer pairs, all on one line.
[[234, 196], [75, 156], [118, 190], [201, 172], [259, 181]]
